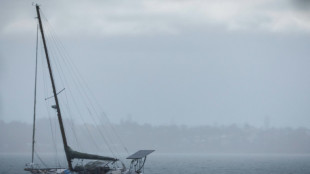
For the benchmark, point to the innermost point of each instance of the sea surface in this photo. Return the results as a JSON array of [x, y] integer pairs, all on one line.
[[197, 164]]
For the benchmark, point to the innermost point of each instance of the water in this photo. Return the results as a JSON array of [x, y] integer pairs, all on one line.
[[198, 164]]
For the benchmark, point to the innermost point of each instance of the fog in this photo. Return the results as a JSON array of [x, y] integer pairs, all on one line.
[[128, 137], [175, 76]]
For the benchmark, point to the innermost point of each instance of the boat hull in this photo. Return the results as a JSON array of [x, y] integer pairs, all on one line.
[[67, 171]]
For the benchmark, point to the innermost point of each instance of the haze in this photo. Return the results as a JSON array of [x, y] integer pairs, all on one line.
[[168, 61]]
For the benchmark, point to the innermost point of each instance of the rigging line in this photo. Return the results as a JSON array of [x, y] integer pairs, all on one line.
[[87, 97], [117, 135], [86, 86], [60, 66], [40, 159], [63, 135], [63, 57], [56, 130], [79, 112], [113, 129], [62, 80], [65, 111], [35, 97], [73, 125], [96, 113], [53, 128], [91, 115], [47, 103], [56, 94], [83, 94], [108, 139], [54, 62], [43, 73], [90, 135], [105, 140]]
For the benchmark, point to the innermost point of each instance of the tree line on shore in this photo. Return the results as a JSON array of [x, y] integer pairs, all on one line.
[[16, 138]]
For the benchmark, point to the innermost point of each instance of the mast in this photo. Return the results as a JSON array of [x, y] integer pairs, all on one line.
[[35, 98], [62, 130]]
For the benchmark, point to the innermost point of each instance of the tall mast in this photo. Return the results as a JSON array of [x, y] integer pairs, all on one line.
[[35, 98], [62, 130]]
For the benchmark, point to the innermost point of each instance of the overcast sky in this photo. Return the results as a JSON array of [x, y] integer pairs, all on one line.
[[191, 62]]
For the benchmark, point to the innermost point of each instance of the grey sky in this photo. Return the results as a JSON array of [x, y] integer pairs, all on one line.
[[161, 62]]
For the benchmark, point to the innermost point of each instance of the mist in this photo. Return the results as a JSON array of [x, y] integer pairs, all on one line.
[[129, 136], [175, 76], [162, 64]]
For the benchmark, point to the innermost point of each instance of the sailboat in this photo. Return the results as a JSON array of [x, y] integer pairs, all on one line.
[[96, 164]]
